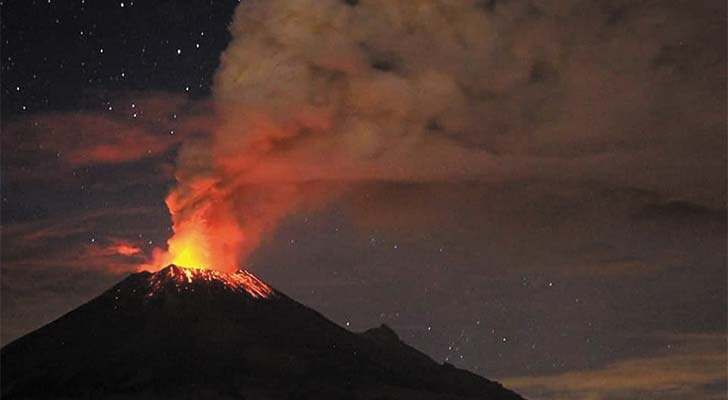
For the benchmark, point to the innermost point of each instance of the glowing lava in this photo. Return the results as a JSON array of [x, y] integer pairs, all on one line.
[[183, 279]]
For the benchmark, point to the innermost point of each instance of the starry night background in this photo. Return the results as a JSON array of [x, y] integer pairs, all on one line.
[[563, 286]]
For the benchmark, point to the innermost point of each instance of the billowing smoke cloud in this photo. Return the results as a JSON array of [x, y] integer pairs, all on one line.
[[340, 92]]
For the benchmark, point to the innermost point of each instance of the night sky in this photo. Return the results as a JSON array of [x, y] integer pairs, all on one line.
[[533, 191]]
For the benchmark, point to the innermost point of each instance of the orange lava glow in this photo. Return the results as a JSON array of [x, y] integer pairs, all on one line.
[[225, 205], [205, 234], [240, 281], [189, 248]]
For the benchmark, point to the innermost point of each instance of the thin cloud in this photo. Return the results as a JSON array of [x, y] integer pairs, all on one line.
[[695, 370], [50, 145]]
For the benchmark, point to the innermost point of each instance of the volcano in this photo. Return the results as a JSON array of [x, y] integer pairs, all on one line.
[[183, 333]]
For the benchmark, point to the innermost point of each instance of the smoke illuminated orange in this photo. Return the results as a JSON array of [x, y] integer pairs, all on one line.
[[205, 232], [189, 249]]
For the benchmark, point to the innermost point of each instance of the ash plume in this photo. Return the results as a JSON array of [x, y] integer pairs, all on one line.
[[315, 96]]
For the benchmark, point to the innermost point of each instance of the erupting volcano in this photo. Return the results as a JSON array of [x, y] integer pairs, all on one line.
[[195, 333]]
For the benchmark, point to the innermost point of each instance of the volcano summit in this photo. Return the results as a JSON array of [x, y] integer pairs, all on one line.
[[201, 334]]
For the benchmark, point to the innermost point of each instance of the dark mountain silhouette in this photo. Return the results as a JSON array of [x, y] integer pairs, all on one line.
[[201, 334]]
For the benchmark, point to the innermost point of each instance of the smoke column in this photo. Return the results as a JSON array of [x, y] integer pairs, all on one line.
[[312, 96]]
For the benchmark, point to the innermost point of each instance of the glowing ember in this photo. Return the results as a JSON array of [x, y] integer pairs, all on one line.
[[240, 281]]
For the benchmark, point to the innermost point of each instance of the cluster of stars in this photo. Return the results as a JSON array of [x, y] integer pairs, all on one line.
[[124, 57]]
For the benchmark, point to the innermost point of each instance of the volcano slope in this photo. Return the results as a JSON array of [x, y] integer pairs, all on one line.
[[183, 333]]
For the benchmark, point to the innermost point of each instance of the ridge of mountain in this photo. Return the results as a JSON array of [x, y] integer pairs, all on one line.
[[191, 333]]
